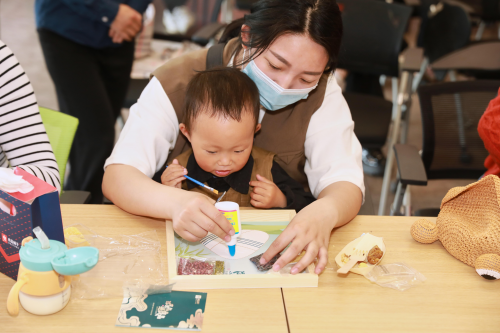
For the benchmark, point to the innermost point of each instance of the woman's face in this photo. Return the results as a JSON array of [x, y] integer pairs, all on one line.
[[293, 61]]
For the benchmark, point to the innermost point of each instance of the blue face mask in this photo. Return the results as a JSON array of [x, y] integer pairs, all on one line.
[[272, 96]]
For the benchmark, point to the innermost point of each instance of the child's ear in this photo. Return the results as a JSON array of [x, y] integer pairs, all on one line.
[[184, 131], [257, 128]]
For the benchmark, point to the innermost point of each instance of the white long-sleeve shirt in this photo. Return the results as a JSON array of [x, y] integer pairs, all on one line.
[[23, 140], [333, 153]]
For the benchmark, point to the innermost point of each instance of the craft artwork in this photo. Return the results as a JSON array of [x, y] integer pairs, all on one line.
[[259, 229], [468, 226]]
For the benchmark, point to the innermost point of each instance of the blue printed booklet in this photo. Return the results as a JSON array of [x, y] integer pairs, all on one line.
[[176, 310]]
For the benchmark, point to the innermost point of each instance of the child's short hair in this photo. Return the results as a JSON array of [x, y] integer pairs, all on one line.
[[224, 92]]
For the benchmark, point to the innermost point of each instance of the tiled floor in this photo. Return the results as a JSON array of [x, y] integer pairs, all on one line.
[[17, 30]]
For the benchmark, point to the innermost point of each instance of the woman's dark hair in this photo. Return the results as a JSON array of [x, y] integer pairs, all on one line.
[[270, 19], [222, 92]]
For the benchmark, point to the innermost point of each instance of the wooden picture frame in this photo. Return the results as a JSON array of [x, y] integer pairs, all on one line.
[[185, 282]]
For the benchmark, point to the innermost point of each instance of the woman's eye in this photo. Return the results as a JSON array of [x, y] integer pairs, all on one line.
[[308, 82], [274, 67]]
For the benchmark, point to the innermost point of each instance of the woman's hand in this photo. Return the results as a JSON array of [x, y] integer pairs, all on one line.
[[266, 194], [174, 175], [310, 229], [193, 214]]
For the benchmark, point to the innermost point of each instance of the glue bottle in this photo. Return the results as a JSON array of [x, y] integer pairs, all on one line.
[[231, 211]]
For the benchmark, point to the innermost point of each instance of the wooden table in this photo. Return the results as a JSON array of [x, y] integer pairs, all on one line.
[[259, 310], [453, 299]]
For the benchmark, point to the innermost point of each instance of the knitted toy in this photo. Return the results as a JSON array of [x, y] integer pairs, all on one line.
[[468, 226]]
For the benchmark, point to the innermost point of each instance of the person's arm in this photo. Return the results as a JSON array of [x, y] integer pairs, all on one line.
[[335, 175], [143, 146], [23, 139]]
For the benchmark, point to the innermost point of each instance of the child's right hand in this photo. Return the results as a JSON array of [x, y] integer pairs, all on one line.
[[174, 175]]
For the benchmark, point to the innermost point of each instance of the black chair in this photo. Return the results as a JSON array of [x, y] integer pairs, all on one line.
[[444, 29], [373, 35], [204, 30], [452, 147], [445, 37], [490, 13]]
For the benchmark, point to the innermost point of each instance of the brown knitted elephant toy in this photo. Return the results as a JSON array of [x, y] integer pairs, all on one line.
[[468, 226]]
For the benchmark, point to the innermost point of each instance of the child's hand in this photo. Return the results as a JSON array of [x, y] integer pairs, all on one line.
[[266, 194], [174, 175]]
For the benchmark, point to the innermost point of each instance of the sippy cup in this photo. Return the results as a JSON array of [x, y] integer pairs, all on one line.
[[44, 280]]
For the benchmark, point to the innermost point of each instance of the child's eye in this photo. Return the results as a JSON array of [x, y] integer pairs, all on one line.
[[211, 152], [239, 151]]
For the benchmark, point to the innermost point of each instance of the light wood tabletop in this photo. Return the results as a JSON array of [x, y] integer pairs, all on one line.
[[235, 310], [454, 298]]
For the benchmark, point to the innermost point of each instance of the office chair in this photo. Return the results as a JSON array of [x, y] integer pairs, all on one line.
[[490, 13], [61, 129], [373, 35], [445, 37], [452, 147]]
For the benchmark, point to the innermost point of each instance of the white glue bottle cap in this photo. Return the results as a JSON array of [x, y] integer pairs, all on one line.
[[232, 245]]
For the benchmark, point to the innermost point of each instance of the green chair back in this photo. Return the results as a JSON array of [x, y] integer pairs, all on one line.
[[61, 130]]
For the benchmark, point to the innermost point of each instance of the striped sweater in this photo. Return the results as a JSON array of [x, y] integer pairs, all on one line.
[[23, 140]]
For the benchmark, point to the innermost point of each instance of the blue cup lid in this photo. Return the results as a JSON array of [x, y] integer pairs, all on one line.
[[76, 261], [34, 258]]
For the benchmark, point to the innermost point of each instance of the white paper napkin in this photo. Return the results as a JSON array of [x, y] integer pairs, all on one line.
[[10, 182]]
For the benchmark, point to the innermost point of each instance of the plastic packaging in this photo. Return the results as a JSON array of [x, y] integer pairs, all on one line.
[[396, 276], [125, 261], [191, 266], [136, 291]]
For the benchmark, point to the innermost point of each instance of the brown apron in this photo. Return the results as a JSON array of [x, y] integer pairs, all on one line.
[[283, 132]]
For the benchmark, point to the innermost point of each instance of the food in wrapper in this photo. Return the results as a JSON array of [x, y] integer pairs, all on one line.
[[374, 255]]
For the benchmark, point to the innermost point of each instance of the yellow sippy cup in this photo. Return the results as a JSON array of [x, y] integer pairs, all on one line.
[[44, 280]]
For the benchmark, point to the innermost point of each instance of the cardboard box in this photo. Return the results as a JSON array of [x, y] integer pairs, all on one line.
[[20, 213]]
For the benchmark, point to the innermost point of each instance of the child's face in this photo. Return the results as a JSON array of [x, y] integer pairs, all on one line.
[[221, 146]]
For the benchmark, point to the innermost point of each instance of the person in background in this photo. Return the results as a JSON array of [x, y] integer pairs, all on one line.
[[89, 50], [23, 140], [489, 131]]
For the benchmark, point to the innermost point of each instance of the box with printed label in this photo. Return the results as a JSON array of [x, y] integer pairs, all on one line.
[[20, 213]]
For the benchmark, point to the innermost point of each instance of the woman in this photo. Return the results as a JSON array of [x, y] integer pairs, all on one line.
[[23, 141], [289, 48]]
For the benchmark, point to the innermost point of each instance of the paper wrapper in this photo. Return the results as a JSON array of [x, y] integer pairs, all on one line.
[[348, 249]]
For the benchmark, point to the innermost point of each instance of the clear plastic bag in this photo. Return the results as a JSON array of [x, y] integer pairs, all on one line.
[[396, 276], [192, 266], [125, 261]]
